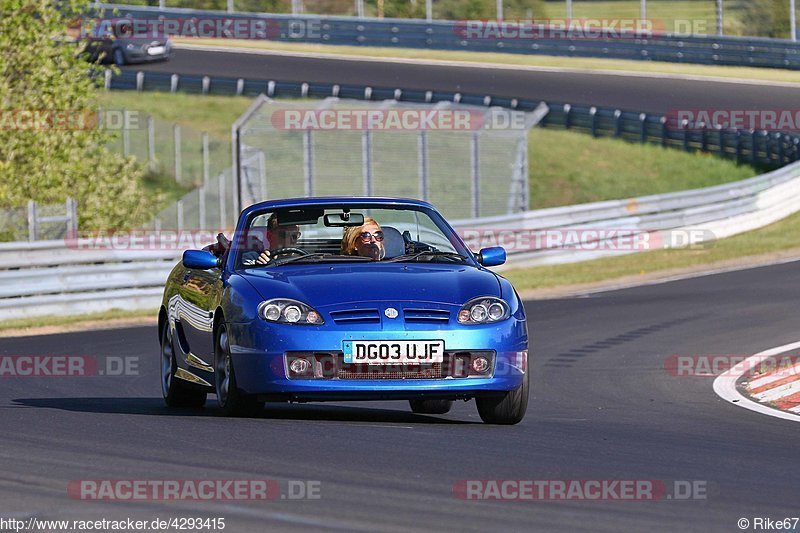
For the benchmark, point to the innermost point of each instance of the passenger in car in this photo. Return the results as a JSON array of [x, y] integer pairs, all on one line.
[[365, 240]]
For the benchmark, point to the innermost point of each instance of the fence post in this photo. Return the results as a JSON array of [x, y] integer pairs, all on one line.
[[475, 172], [366, 161], [179, 214], [593, 123], [569, 9], [32, 229], [738, 147], [176, 135], [308, 163], [567, 109], [72, 214], [262, 171], [201, 207], [617, 123], [360, 9], [721, 18], [222, 191], [664, 135], [753, 147], [422, 158], [685, 124], [429, 10], [230, 6], [126, 140], [643, 120], [206, 170], [151, 143]]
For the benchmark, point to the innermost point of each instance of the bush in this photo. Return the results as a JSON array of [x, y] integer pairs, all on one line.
[[41, 72]]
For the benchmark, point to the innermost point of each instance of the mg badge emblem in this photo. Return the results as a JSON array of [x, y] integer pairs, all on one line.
[[390, 312]]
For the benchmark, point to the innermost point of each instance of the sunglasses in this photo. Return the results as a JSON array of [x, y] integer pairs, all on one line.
[[366, 236]]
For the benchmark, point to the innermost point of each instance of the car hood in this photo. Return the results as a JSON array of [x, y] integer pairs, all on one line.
[[321, 285]]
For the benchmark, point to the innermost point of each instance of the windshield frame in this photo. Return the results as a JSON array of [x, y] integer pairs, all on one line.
[[234, 262]]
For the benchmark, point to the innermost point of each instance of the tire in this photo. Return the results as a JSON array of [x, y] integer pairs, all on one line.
[[431, 407], [175, 392], [231, 400], [508, 408], [118, 57]]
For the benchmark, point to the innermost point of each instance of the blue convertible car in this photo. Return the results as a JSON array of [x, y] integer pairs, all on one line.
[[333, 299]]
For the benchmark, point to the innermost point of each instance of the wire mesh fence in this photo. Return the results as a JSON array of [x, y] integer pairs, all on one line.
[[37, 222], [470, 161]]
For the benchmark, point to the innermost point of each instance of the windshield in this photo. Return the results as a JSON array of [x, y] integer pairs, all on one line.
[[327, 234]]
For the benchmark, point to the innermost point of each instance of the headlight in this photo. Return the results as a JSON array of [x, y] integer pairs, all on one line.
[[484, 310], [286, 311]]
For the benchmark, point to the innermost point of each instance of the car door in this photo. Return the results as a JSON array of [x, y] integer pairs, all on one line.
[[200, 293]]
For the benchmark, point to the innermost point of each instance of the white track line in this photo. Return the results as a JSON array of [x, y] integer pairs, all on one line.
[[725, 384], [779, 392], [778, 375], [484, 65]]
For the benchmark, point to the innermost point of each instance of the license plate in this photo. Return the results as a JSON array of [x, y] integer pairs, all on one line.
[[156, 50], [393, 352]]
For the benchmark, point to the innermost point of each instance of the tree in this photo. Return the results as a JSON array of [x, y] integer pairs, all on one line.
[[50, 145]]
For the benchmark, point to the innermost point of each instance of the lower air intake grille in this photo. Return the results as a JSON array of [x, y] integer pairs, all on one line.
[[352, 371]]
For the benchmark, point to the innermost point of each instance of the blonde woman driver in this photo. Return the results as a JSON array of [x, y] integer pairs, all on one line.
[[365, 240]]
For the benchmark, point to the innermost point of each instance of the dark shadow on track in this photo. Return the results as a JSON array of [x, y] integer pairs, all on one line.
[[156, 407]]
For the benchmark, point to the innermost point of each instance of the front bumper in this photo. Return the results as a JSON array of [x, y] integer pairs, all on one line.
[[263, 371]]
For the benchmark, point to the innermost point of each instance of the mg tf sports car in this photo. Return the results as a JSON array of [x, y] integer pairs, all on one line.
[[342, 299]]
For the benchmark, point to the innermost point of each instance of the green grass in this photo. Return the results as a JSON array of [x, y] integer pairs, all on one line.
[[22, 324], [776, 237], [570, 168], [565, 167], [666, 12]]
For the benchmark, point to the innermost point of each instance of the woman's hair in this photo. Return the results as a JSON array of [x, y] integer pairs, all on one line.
[[352, 233]]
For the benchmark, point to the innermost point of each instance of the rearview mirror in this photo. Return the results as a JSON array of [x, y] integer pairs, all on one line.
[[494, 256], [343, 220], [200, 260]]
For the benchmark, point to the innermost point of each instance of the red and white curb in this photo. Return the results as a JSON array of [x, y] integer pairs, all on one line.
[[776, 393]]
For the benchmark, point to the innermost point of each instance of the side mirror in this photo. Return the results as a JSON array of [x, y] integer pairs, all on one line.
[[494, 256], [200, 260]]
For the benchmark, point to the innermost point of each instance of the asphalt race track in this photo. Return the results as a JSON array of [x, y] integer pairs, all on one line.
[[602, 407], [618, 90]]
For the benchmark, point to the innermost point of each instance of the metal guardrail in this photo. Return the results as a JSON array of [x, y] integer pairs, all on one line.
[[452, 35], [59, 278], [62, 278], [768, 149]]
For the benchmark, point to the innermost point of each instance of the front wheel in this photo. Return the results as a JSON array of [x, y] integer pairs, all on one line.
[[431, 407], [232, 401], [175, 392], [508, 408]]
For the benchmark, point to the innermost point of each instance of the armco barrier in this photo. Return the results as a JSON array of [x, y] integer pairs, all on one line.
[[758, 147], [450, 35], [135, 279], [56, 278]]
